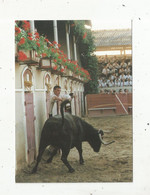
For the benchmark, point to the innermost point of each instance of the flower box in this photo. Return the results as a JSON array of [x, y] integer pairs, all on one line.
[[75, 76], [80, 77], [34, 56], [45, 62], [52, 64], [68, 72], [27, 53], [23, 56]]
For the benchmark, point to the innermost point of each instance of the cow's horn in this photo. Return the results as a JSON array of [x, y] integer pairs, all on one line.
[[107, 131], [103, 142]]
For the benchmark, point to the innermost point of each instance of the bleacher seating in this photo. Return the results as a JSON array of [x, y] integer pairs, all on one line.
[[115, 72]]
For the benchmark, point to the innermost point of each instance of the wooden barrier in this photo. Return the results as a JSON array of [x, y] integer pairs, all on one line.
[[108, 104], [130, 103], [101, 104], [121, 104]]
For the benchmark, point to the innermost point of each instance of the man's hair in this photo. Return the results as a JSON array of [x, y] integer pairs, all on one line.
[[57, 86], [71, 94]]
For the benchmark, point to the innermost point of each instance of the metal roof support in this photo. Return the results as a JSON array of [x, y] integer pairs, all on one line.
[[55, 31], [67, 39], [75, 48], [32, 26]]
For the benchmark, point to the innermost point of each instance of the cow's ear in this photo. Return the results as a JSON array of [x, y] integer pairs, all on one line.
[[99, 131]]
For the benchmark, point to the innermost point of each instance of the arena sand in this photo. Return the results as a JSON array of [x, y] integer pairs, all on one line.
[[114, 163]]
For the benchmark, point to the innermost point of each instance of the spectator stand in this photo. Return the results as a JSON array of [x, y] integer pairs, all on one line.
[[113, 50]]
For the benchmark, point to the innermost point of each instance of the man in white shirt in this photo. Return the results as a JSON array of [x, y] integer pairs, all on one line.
[[100, 80], [122, 76], [56, 97], [111, 84], [128, 76]]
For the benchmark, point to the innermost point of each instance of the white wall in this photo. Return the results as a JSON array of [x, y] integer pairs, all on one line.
[[39, 100], [20, 131]]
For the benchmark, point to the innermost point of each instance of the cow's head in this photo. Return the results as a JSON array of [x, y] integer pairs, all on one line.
[[96, 139], [95, 142]]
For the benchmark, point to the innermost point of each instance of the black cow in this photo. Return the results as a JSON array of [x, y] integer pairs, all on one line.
[[66, 131]]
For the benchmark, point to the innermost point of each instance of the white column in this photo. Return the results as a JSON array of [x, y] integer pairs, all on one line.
[[32, 27], [67, 39], [75, 48], [55, 30]]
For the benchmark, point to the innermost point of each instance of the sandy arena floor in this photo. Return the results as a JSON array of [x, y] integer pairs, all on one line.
[[113, 163]]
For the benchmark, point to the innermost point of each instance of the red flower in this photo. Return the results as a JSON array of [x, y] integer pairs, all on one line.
[[62, 70], [26, 25], [57, 50], [59, 45], [55, 60], [62, 51], [37, 35], [44, 55], [21, 56], [38, 44], [30, 38], [51, 45], [22, 41], [85, 34], [47, 40], [53, 50], [30, 34], [64, 60], [54, 42], [17, 30], [74, 62], [55, 67], [59, 57]]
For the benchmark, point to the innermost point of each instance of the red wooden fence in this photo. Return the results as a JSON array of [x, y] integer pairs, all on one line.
[[108, 104]]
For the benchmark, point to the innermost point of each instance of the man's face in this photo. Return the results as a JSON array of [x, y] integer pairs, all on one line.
[[57, 91]]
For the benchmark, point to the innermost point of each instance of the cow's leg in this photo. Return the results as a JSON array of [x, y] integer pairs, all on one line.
[[41, 150], [54, 152], [64, 156], [79, 148]]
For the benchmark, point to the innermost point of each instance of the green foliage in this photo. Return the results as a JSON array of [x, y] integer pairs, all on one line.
[[88, 59]]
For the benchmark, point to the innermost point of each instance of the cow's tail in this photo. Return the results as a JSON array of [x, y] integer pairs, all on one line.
[[62, 109]]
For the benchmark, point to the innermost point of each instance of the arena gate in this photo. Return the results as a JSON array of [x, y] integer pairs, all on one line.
[[30, 118], [108, 104], [48, 87]]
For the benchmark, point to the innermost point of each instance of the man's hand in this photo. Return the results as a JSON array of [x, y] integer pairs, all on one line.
[[57, 98]]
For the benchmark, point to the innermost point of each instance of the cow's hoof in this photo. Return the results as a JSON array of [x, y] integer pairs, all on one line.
[[33, 170], [81, 162], [49, 161], [71, 170]]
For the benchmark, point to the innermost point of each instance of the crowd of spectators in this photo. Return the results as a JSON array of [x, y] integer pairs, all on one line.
[[116, 74]]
